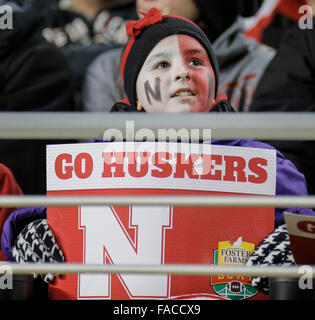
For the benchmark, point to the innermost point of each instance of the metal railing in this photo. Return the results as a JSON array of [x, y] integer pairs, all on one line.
[[173, 269], [190, 201], [83, 125]]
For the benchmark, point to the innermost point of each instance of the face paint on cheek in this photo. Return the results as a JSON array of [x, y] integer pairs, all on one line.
[[202, 79], [156, 93], [211, 88], [203, 83], [204, 86], [209, 91]]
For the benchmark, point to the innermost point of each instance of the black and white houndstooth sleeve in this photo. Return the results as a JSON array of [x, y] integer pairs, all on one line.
[[273, 250], [36, 243]]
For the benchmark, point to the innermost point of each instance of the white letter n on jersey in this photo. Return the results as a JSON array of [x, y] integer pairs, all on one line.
[[106, 237]]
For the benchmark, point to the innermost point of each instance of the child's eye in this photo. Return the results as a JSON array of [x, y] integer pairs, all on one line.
[[162, 65], [195, 63]]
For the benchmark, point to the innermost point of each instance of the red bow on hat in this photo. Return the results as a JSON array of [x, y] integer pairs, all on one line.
[[134, 28]]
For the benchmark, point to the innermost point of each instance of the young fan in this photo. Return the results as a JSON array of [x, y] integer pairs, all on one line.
[[168, 66], [241, 60]]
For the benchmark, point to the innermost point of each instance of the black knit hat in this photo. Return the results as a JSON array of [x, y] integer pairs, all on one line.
[[145, 34]]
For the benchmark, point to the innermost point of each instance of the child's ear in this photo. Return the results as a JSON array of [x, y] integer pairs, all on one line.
[[139, 106]]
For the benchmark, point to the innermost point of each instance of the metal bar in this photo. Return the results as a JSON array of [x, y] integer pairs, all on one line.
[[175, 269], [190, 201], [90, 125]]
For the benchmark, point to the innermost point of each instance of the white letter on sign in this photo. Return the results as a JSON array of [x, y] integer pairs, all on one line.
[[105, 238]]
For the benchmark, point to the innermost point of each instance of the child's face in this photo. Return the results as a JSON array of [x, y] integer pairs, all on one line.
[[176, 77]]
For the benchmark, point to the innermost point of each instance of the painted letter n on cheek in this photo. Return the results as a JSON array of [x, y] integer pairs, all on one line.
[[156, 93]]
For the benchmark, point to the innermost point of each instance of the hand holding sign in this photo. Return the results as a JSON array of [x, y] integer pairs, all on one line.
[[36, 243], [273, 250]]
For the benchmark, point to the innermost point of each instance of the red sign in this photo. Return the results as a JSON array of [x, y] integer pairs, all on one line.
[[155, 235], [301, 230]]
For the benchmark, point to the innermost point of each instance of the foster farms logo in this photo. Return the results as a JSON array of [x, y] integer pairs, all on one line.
[[233, 287]]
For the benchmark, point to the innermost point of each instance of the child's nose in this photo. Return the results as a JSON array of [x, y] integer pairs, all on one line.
[[182, 74]]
